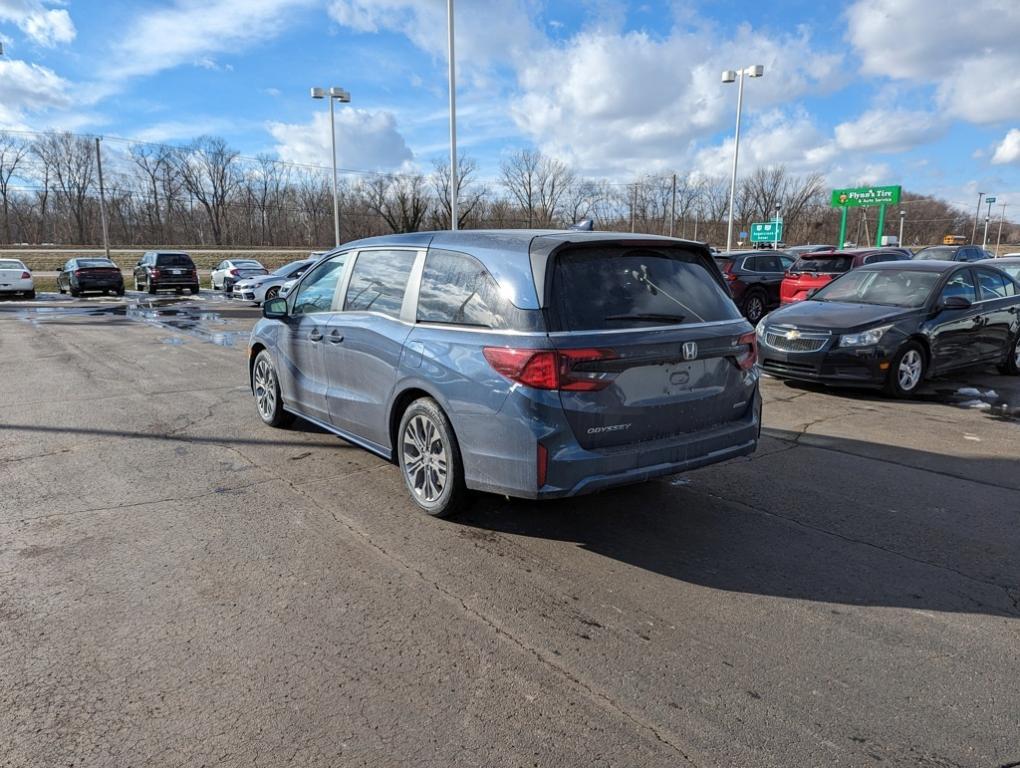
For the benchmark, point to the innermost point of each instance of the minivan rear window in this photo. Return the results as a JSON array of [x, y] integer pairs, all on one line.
[[825, 264], [173, 260], [613, 288]]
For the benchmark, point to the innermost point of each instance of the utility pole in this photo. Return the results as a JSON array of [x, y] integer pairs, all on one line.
[[998, 240], [672, 208], [977, 212], [633, 205], [102, 200], [453, 117]]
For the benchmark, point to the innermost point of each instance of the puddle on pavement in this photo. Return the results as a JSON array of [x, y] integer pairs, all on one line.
[[170, 314], [1005, 406]]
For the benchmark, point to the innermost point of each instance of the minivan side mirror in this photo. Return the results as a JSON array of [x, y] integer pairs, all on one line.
[[274, 308], [957, 302]]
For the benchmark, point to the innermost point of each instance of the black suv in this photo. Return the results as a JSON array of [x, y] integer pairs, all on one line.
[[161, 271], [754, 278], [953, 253]]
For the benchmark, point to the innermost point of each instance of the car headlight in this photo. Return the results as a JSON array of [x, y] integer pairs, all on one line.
[[864, 338]]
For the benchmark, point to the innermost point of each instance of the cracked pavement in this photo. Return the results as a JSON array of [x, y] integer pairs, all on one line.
[[182, 586]]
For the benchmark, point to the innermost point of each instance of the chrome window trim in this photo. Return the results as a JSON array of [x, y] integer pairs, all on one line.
[[673, 327]]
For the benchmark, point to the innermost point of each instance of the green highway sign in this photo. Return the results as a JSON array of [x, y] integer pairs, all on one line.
[[767, 232], [860, 196], [989, 199]]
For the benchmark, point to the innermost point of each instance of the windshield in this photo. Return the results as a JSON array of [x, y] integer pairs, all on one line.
[[938, 252], [824, 264], [173, 260], [617, 287], [893, 288], [294, 266], [248, 264], [11, 264], [92, 263]]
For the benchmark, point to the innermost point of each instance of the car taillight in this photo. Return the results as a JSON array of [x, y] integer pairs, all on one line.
[[234, 272], [541, 464], [155, 272], [728, 272], [27, 275], [549, 368], [77, 272], [747, 359]]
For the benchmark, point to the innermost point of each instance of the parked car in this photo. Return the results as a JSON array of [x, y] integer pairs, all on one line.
[[525, 363], [228, 272], [892, 325], [813, 270], [1010, 264], [89, 274], [166, 270], [263, 287], [16, 278], [953, 253], [799, 250], [753, 278]]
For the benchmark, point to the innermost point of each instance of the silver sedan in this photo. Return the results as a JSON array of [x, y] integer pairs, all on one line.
[[264, 287]]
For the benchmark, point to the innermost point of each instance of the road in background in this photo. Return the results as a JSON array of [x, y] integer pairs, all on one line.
[[181, 585]]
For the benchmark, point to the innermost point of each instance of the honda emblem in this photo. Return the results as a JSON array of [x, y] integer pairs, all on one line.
[[690, 350]]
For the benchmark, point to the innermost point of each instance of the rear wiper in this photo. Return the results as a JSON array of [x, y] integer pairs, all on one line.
[[648, 316]]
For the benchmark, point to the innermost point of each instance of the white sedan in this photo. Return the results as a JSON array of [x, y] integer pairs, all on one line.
[[15, 278], [263, 287]]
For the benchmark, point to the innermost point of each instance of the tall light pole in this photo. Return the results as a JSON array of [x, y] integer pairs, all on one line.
[[102, 200], [453, 117], [335, 94], [728, 77], [775, 226], [903, 216], [977, 212], [998, 240]]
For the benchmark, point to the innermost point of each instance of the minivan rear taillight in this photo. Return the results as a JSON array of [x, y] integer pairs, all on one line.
[[748, 357], [550, 368]]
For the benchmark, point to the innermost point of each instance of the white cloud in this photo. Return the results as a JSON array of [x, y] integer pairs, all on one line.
[[27, 88], [967, 50], [487, 31], [192, 31], [364, 140], [610, 102], [881, 130], [44, 26], [1008, 151]]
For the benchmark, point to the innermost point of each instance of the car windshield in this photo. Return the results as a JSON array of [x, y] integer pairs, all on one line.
[[91, 263], [11, 264], [823, 264], [615, 288], [938, 252], [894, 288], [248, 264], [287, 269], [173, 260]]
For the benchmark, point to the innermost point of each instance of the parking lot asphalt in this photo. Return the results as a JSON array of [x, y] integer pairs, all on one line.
[[181, 585]]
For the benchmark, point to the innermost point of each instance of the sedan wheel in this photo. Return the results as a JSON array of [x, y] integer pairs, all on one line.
[[272, 293], [266, 388], [907, 370], [430, 459], [1011, 365]]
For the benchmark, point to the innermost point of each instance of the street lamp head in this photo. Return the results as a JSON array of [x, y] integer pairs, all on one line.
[[756, 71], [318, 93], [340, 95], [729, 76]]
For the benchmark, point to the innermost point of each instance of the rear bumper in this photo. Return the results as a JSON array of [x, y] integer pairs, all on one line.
[[99, 284], [17, 286]]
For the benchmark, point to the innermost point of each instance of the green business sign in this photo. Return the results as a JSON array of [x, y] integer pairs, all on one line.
[[859, 196], [767, 232]]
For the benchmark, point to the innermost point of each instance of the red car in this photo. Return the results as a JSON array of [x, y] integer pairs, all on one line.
[[813, 270]]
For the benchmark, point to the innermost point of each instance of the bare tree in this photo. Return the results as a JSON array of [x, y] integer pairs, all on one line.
[[469, 192], [155, 162], [12, 152], [208, 170], [71, 160], [401, 201]]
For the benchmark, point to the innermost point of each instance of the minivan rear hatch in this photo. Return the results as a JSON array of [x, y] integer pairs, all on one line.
[[651, 345]]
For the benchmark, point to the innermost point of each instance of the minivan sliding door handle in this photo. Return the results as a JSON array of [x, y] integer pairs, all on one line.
[[335, 337], [315, 335]]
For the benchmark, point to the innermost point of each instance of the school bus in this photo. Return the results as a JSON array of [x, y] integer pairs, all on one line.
[[954, 240]]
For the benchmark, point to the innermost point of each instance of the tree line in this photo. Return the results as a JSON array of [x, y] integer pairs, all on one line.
[[206, 193]]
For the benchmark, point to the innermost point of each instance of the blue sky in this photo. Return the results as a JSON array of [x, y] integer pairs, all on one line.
[[918, 92]]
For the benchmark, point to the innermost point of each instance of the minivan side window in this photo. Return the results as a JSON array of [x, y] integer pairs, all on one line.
[[378, 282], [315, 294], [457, 290]]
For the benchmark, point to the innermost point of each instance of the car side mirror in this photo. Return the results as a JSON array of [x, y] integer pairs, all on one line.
[[957, 302], [275, 308]]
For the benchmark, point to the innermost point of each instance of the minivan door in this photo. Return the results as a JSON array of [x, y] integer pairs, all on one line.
[[300, 343], [650, 345], [364, 342]]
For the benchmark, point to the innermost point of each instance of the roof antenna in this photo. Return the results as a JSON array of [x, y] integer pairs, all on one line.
[[584, 225]]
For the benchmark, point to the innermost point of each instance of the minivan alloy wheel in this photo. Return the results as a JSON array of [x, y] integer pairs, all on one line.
[[426, 464]]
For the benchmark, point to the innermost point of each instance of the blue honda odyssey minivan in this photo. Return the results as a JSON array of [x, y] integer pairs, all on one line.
[[536, 364]]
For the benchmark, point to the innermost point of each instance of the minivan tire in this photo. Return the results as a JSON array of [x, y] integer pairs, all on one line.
[[909, 356], [150, 286], [425, 423], [265, 386]]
